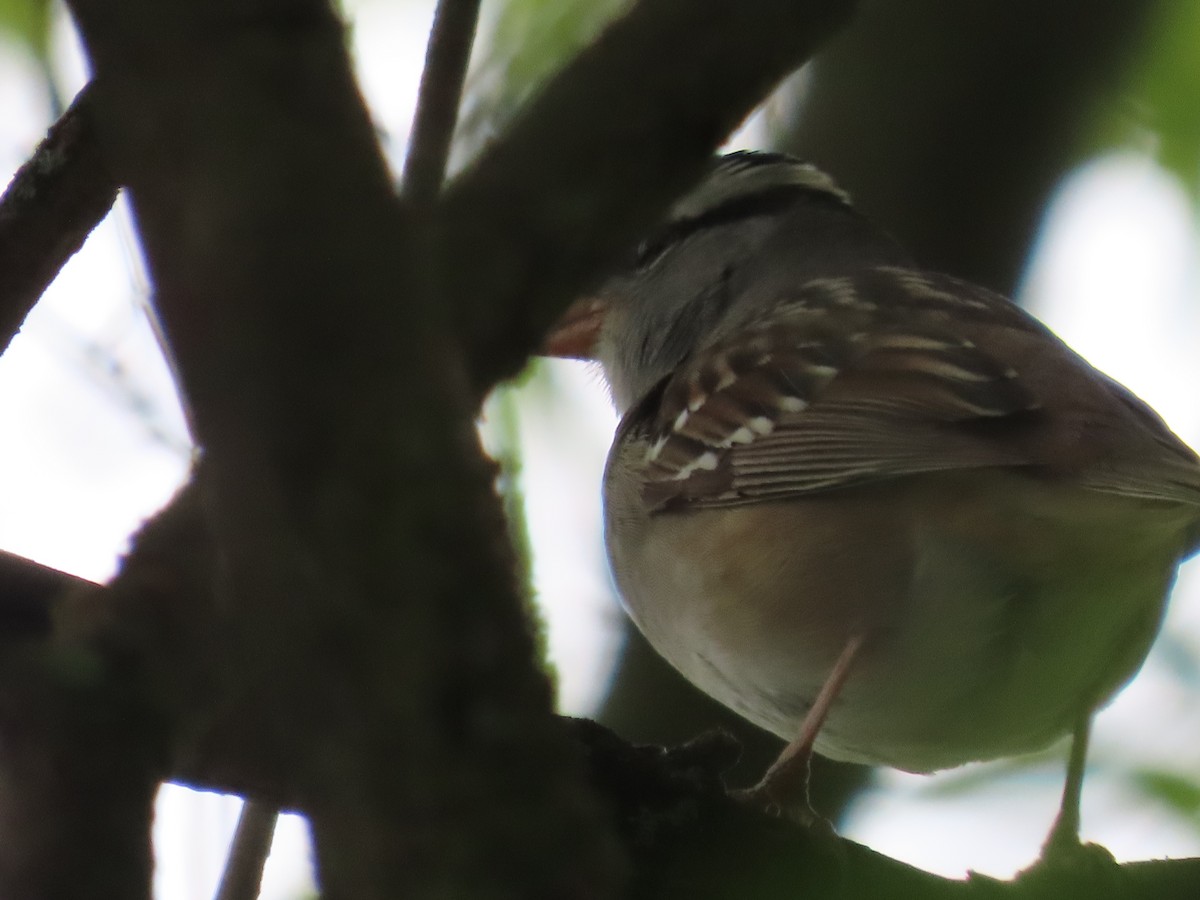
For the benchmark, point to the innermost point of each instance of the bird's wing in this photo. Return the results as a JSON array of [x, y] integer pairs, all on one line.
[[855, 382]]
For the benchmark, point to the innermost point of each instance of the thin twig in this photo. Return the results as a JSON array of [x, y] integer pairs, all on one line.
[[52, 204], [438, 100], [242, 878]]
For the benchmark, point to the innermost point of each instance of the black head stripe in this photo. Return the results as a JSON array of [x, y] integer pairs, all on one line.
[[765, 202], [740, 186]]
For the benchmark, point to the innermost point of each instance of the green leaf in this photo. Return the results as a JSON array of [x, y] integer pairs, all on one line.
[[1167, 90], [29, 22], [1177, 792], [523, 45]]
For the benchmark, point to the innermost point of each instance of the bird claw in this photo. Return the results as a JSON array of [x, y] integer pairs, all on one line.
[[1071, 858], [800, 813]]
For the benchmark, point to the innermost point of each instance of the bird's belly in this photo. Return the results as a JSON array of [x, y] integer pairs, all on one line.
[[1017, 671], [979, 646]]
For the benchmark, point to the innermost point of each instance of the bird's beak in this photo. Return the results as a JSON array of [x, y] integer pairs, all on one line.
[[574, 335]]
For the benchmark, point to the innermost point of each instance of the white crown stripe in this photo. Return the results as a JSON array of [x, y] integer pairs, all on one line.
[[737, 176]]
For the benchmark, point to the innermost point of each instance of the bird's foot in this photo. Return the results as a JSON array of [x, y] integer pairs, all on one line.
[[797, 811], [1065, 857]]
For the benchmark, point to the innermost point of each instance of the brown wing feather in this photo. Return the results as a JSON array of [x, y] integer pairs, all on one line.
[[838, 392], [860, 379]]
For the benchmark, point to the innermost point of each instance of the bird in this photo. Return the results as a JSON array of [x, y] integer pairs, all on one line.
[[877, 510]]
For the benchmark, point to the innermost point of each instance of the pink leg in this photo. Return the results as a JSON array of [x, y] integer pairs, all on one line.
[[1064, 836], [785, 786]]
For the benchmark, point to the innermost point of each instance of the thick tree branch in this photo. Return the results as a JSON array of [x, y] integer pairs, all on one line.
[[448, 54], [82, 760], [27, 594], [87, 717], [379, 655], [610, 141], [49, 208]]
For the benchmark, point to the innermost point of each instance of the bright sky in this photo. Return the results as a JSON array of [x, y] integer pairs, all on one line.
[[100, 445]]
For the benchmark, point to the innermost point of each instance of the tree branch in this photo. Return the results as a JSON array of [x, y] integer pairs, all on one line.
[[439, 98], [376, 651], [81, 761], [608, 143], [27, 595], [89, 713], [52, 204], [248, 851]]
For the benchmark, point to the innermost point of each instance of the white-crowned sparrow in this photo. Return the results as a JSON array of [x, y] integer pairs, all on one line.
[[876, 510]]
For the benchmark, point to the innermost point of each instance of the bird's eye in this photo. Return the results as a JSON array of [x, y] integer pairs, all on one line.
[[649, 252]]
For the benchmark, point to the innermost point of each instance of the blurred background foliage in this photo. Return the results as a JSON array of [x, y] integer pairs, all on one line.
[[28, 23], [1164, 86], [526, 42]]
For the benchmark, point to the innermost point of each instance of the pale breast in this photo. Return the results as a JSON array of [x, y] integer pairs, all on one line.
[[982, 645]]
